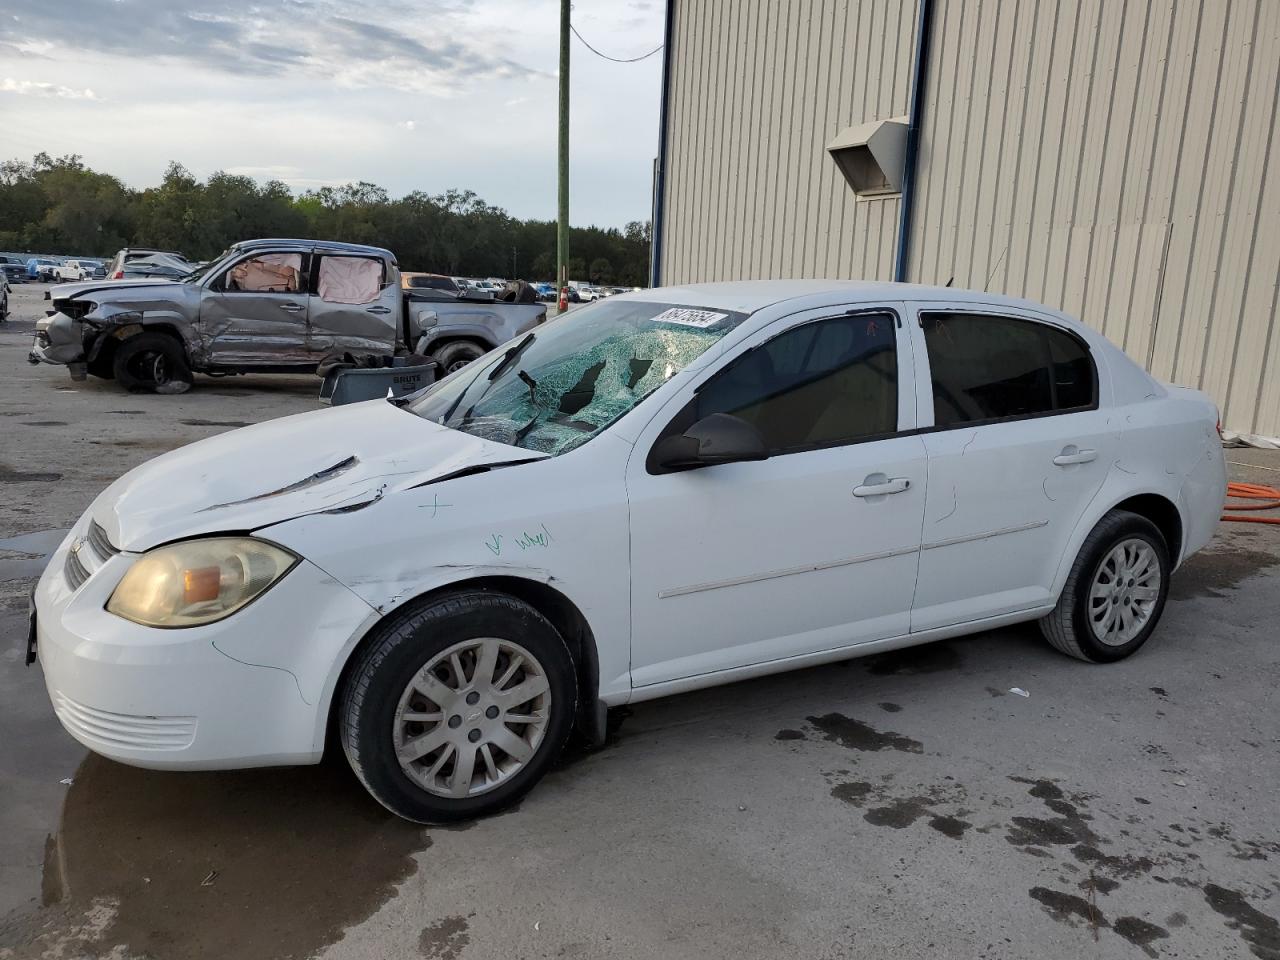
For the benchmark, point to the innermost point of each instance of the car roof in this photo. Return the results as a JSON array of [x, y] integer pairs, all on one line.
[[748, 296], [322, 245]]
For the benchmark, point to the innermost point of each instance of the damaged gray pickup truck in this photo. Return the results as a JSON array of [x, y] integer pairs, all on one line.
[[266, 306]]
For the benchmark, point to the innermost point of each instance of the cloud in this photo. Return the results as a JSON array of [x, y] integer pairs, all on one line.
[[515, 102], [422, 48], [407, 125], [37, 88]]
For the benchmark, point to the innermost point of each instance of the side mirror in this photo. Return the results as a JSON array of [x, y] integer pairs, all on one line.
[[718, 438]]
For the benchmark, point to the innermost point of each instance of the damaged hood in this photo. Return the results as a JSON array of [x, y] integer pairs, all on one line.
[[127, 288], [340, 459]]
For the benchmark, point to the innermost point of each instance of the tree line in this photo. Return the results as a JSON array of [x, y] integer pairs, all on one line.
[[61, 206]]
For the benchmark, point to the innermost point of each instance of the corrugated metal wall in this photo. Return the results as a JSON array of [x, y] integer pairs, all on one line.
[[1110, 157], [757, 90], [1114, 159]]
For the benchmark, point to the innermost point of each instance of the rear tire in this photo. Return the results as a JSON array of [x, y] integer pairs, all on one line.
[[454, 356], [152, 363], [1115, 593], [423, 717]]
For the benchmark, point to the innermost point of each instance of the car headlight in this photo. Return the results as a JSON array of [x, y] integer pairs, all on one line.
[[198, 581]]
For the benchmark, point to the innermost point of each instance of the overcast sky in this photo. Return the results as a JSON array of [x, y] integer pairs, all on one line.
[[409, 94]]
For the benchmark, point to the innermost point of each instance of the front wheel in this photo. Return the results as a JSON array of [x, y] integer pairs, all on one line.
[[1115, 593], [151, 362], [458, 707]]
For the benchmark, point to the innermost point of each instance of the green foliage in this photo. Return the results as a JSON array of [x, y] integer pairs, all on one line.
[[62, 207]]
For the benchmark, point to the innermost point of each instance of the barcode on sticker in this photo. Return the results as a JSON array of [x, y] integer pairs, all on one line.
[[689, 318]]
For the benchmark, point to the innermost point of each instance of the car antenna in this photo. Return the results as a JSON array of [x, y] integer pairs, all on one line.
[[951, 281]]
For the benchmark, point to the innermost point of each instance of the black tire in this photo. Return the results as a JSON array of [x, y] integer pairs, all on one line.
[[400, 648], [152, 362], [456, 355], [1068, 628]]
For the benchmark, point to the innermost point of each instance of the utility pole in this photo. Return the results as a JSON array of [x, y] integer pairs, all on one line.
[[562, 228]]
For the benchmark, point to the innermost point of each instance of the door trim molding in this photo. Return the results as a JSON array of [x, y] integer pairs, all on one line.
[[952, 541], [785, 572]]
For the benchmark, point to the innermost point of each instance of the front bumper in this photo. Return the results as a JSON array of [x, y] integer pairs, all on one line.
[[58, 340], [219, 696]]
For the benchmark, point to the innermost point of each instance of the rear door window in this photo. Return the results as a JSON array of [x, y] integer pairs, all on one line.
[[987, 368], [342, 279]]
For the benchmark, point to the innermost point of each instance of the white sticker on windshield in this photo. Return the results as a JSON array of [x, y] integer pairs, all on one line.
[[689, 318]]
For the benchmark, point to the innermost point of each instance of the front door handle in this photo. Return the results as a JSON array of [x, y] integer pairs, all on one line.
[[379, 310], [291, 307], [1072, 454], [878, 485]]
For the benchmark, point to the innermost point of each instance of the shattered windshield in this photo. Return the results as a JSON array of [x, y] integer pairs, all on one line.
[[560, 385]]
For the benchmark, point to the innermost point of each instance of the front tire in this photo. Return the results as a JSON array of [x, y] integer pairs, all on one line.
[[1115, 593], [458, 707], [152, 362]]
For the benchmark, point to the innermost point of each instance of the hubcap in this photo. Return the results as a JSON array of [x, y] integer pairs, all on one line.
[[1125, 588], [456, 365], [472, 717]]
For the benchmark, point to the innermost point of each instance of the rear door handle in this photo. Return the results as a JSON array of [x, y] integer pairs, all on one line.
[[1071, 454], [291, 307], [379, 310], [877, 485]]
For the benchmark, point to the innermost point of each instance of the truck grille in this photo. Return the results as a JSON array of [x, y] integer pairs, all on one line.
[[87, 555]]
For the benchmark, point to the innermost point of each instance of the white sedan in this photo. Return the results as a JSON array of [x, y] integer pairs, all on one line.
[[663, 491]]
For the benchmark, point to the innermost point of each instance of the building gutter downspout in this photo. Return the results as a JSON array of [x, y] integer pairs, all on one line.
[[660, 167], [920, 73]]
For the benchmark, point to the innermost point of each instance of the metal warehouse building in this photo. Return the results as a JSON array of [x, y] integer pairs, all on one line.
[[1113, 158]]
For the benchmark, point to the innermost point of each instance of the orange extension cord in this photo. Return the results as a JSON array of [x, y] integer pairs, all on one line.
[[1269, 497]]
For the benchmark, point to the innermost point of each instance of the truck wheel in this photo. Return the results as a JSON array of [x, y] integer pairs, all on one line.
[[458, 706], [152, 363], [456, 355]]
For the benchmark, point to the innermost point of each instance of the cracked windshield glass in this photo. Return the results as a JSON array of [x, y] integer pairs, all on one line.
[[557, 387]]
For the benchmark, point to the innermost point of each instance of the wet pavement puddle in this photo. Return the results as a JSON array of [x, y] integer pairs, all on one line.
[[24, 557], [244, 864]]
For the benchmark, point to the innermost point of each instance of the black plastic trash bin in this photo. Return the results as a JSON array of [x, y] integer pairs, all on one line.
[[351, 384]]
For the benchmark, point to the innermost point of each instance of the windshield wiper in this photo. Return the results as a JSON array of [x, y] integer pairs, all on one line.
[[510, 355]]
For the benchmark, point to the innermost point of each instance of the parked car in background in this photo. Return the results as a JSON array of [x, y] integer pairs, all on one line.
[[115, 269], [42, 268], [546, 291], [4, 296], [429, 281], [72, 270], [166, 266], [267, 306], [14, 268], [447, 585]]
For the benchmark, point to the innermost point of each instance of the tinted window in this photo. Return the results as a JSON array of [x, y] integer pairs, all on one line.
[[992, 368], [820, 384]]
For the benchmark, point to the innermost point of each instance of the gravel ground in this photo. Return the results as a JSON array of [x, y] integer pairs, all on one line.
[[907, 805]]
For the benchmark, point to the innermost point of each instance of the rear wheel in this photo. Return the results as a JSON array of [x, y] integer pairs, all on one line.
[[456, 709], [152, 362], [456, 355], [1115, 593]]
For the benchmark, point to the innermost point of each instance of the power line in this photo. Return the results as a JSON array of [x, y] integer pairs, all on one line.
[[606, 56]]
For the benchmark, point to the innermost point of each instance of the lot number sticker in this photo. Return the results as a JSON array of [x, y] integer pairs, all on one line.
[[689, 318]]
